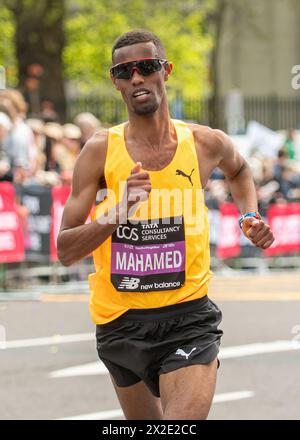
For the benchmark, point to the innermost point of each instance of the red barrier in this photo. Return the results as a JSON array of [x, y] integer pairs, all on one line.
[[229, 235], [285, 223], [11, 233], [283, 219]]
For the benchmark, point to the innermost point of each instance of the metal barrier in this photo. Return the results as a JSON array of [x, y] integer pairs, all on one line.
[[39, 262], [27, 274], [274, 112]]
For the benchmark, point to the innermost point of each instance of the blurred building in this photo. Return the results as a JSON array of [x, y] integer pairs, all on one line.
[[260, 43]]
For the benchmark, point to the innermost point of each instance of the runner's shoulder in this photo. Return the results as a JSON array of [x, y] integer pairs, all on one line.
[[210, 139], [94, 150], [98, 142], [93, 154]]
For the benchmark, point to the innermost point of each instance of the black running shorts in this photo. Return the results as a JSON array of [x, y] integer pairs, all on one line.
[[143, 343]]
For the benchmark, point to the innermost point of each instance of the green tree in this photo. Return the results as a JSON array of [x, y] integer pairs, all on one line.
[[7, 49], [83, 57], [92, 27], [39, 41]]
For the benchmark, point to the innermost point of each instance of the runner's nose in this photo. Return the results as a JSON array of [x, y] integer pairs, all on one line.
[[136, 77]]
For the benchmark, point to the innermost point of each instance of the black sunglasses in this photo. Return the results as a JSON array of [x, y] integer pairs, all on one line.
[[144, 67]]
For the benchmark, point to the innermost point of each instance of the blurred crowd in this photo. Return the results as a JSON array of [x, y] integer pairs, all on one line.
[[39, 150], [277, 179], [42, 151]]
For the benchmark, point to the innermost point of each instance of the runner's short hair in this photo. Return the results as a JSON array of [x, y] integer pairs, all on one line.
[[139, 36]]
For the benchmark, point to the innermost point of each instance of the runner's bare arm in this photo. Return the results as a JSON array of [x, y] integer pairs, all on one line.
[[215, 149], [241, 185], [77, 239], [237, 172]]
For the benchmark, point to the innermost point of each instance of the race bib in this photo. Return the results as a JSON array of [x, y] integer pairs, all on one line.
[[148, 257]]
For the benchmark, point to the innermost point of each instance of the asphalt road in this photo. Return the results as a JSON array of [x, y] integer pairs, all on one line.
[[260, 358]]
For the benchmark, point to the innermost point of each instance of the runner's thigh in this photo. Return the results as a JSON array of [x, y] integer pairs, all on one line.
[[138, 402], [187, 393]]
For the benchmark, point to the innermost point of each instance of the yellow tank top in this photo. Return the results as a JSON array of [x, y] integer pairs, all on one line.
[[161, 255]]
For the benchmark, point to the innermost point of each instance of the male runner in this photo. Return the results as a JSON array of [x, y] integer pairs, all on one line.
[[157, 330]]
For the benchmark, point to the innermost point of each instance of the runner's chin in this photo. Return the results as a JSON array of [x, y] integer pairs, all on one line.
[[145, 108]]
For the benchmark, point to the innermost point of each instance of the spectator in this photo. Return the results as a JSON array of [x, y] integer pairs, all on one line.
[[48, 112], [289, 145], [279, 164], [69, 148], [88, 125], [19, 142], [286, 182], [256, 164], [5, 170], [37, 127], [54, 133]]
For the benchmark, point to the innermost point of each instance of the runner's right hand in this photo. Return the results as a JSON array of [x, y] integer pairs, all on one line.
[[138, 187]]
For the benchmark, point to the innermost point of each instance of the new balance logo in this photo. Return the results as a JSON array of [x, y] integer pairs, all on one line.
[[129, 283], [183, 353], [188, 176]]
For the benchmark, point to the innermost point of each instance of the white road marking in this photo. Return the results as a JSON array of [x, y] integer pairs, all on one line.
[[117, 413], [258, 348], [98, 368], [228, 397], [94, 368], [51, 340]]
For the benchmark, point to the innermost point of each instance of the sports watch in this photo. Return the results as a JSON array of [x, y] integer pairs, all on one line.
[[249, 214]]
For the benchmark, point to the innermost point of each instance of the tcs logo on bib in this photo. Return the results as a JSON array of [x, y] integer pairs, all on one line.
[[127, 233]]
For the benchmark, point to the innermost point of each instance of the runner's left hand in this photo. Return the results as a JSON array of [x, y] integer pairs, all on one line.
[[258, 232]]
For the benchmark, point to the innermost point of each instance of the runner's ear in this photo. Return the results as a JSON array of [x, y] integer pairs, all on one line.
[[168, 70]]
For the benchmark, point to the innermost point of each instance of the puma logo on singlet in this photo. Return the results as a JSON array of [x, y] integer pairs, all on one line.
[[183, 353], [182, 173]]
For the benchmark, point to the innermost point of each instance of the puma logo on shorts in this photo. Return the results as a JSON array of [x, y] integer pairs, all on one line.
[[183, 353]]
